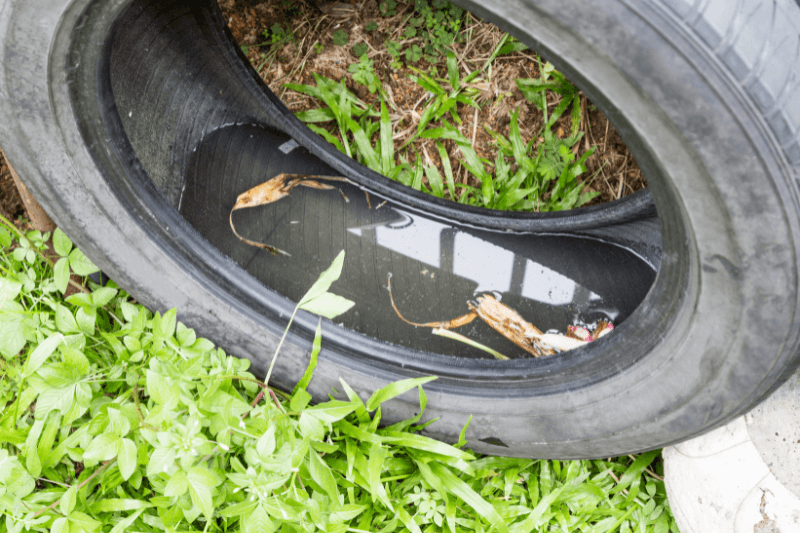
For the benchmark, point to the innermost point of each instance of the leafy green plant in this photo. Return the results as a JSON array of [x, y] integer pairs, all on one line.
[[434, 26], [413, 53], [277, 35], [444, 101], [441, 20], [552, 174], [523, 176], [360, 49], [70, 259], [318, 301], [364, 73], [388, 8], [530, 186], [552, 80], [340, 37], [343, 107], [371, 26], [139, 424], [394, 50]]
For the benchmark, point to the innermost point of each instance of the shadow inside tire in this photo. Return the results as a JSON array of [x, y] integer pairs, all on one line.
[[206, 129]]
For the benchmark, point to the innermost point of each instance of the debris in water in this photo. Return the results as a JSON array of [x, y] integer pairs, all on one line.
[[581, 333], [273, 190], [450, 324], [512, 326]]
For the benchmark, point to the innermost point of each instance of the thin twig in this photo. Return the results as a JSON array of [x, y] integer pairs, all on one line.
[[616, 479], [83, 484]]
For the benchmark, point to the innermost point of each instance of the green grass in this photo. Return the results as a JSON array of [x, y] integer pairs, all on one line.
[[542, 174], [113, 418]]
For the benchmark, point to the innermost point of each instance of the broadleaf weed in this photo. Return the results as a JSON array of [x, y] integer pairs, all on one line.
[[340, 38], [134, 422], [364, 73]]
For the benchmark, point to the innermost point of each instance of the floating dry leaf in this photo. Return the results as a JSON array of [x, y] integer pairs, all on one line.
[[273, 190], [561, 343], [510, 325]]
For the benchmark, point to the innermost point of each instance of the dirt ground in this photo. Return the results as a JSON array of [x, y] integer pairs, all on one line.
[[612, 170], [11, 205]]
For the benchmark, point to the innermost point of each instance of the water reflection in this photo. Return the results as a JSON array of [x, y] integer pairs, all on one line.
[[436, 267]]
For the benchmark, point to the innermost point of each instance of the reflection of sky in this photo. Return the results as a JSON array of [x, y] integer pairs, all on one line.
[[545, 285], [488, 265], [417, 238]]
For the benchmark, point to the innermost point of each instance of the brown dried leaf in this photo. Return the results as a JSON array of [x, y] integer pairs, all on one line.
[[271, 191], [500, 317], [511, 325], [604, 327]]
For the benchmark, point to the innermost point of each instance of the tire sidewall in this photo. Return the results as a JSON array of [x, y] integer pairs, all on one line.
[[729, 333]]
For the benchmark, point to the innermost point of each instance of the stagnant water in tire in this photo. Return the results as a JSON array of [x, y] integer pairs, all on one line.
[[436, 267]]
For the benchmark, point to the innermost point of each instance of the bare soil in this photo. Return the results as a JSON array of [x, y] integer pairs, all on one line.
[[612, 170], [11, 205]]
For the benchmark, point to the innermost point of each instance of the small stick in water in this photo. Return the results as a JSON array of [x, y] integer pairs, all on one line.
[[450, 324]]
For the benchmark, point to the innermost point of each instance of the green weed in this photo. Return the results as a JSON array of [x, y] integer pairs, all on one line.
[[388, 8], [360, 49], [276, 37], [115, 419], [340, 38], [525, 176], [434, 26], [395, 50], [364, 73]]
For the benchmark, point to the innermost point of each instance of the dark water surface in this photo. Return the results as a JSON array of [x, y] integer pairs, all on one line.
[[436, 266]]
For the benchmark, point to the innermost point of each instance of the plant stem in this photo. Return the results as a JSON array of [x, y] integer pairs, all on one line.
[[83, 484], [278, 349]]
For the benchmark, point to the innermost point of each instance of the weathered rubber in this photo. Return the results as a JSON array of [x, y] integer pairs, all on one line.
[[707, 96]]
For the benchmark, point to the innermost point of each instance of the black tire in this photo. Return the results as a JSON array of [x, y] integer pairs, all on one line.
[[707, 97]]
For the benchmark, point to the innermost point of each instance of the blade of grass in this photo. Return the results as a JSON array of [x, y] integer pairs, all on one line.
[[435, 181], [448, 170], [461, 338], [364, 146], [469, 496], [452, 71], [387, 142], [416, 181]]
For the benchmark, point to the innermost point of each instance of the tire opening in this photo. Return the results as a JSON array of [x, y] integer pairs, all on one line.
[[197, 117]]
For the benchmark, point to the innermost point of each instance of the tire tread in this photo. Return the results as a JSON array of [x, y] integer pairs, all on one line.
[[758, 42]]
